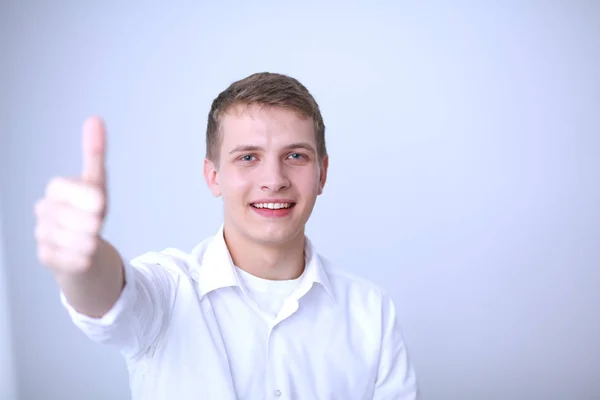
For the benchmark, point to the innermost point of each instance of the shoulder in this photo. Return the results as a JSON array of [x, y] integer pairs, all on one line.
[[354, 288], [364, 303], [172, 260]]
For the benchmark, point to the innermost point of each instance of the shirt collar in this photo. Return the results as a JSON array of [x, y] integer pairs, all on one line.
[[214, 269], [314, 271]]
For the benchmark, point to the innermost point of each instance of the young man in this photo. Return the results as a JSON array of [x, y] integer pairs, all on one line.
[[251, 313]]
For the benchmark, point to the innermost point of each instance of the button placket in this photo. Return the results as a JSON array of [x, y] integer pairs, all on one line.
[[272, 375]]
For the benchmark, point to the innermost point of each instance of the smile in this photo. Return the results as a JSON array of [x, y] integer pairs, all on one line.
[[272, 206]]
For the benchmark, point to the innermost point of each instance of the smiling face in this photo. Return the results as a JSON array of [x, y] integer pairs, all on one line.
[[268, 173]]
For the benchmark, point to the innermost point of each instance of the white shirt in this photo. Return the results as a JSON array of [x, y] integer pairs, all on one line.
[[268, 295], [188, 329]]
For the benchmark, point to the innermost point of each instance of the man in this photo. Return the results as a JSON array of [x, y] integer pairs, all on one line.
[[251, 313]]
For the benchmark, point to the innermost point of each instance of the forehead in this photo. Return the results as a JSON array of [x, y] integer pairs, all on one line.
[[264, 126]]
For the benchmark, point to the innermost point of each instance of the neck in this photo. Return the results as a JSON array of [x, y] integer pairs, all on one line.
[[273, 262]]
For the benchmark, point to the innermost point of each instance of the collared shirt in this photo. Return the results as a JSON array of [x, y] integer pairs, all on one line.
[[187, 328], [268, 295]]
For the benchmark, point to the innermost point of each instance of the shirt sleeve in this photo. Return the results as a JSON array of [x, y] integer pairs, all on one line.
[[396, 378], [140, 314]]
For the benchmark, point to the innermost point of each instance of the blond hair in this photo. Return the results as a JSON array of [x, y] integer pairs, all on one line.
[[264, 89]]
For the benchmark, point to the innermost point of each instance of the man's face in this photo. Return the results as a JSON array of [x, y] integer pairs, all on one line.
[[268, 174]]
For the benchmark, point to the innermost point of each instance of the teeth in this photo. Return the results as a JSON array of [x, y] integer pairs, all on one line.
[[272, 206]]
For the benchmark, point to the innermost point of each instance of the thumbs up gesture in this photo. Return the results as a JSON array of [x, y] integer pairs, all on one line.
[[70, 216]]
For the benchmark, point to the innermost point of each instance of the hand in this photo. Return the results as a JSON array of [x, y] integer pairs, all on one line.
[[71, 214]]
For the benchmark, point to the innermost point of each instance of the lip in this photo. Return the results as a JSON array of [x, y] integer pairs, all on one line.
[[273, 201], [272, 213]]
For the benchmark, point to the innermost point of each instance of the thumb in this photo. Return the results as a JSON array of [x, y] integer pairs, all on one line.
[[94, 152]]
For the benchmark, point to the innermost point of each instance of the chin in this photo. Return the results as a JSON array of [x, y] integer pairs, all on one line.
[[274, 235]]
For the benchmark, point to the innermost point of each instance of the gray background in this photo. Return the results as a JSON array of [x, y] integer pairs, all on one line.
[[464, 174]]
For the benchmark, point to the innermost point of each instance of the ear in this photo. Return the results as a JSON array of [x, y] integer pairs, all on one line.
[[211, 175], [323, 177]]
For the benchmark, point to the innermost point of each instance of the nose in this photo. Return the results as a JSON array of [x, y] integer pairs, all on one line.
[[274, 177]]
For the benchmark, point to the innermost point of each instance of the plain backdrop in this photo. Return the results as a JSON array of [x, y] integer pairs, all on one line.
[[7, 366], [464, 143]]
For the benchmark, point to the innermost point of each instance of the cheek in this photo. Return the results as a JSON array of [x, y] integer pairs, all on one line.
[[235, 185], [308, 182]]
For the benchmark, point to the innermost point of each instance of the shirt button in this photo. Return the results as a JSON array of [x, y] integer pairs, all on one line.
[[277, 393]]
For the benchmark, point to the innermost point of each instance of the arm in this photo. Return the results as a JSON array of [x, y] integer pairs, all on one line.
[[142, 310], [396, 379], [94, 291], [70, 217], [111, 301]]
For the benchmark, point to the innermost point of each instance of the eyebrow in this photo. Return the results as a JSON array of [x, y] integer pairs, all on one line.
[[300, 145]]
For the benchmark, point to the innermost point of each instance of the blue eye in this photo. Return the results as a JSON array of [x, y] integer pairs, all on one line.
[[247, 157], [297, 156]]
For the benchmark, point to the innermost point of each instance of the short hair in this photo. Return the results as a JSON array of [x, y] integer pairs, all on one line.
[[269, 90]]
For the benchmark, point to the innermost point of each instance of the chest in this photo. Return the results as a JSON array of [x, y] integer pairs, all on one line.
[[226, 348]]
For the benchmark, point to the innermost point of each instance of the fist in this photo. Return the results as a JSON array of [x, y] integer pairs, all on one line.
[[70, 216]]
